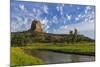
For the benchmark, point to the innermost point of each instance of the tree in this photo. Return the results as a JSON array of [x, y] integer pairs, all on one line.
[[70, 36], [71, 32], [75, 35]]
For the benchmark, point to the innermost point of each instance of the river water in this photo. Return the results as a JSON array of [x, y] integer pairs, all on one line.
[[54, 57]]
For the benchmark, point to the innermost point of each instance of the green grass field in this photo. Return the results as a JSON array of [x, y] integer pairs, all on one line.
[[85, 48], [18, 57]]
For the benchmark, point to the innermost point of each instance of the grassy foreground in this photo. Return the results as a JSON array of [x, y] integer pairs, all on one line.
[[78, 48], [18, 58]]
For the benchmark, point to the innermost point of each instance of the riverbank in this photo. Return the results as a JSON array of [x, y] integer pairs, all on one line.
[[19, 55], [79, 48], [20, 58]]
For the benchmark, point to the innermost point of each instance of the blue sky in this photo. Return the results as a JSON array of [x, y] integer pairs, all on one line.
[[55, 18]]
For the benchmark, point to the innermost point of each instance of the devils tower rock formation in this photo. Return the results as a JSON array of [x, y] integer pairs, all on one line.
[[36, 26]]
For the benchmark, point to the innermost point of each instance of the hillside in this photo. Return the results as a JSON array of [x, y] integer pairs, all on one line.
[[35, 35]]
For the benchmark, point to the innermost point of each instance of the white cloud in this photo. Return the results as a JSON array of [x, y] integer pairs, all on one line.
[[81, 16], [46, 28], [44, 21], [22, 7], [55, 19], [13, 26], [35, 13], [68, 17], [82, 28], [19, 24], [19, 19], [87, 9], [34, 10], [45, 9], [39, 12], [59, 8], [77, 18], [87, 15], [64, 21], [85, 27], [45, 25]]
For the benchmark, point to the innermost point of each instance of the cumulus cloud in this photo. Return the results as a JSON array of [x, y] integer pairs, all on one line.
[[82, 28], [87, 9], [59, 8], [35, 13], [68, 17], [23, 20], [22, 7], [44, 23], [85, 27], [46, 28], [78, 17], [19, 24], [84, 21], [55, 20], [45, 9], [38, 12]]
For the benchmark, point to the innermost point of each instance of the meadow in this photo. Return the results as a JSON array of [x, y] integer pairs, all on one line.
[[87, 48], [19, 57]]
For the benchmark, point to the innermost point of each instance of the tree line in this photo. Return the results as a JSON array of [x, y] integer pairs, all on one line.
[[22, 39]]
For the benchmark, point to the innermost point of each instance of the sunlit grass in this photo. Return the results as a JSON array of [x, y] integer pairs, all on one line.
[[18, 58], [64, 47]]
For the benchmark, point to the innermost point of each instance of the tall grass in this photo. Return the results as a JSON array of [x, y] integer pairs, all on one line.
[[83, 48], [19, 58]]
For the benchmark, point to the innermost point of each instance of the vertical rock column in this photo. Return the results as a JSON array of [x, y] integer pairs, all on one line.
[[36, 26]]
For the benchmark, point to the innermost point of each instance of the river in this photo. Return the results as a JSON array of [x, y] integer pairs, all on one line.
[[56, 57]]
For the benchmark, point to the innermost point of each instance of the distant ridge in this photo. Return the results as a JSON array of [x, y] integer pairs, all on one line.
[[35, 34]]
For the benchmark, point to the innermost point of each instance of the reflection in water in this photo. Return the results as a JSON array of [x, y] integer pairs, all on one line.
[[54, 57]]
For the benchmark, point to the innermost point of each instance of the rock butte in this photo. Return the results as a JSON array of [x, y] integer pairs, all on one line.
[[36, 26]]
